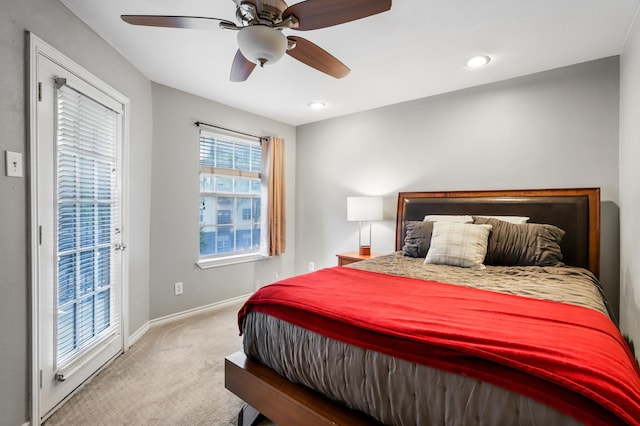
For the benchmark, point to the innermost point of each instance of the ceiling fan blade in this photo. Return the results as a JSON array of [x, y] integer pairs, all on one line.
[[241, 68], [190, 22], [314, 14], [316, 57]]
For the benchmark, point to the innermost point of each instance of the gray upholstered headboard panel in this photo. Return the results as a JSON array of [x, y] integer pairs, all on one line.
[[576, 211]]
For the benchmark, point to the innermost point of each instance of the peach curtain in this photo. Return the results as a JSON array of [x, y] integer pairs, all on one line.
[[273, 153]]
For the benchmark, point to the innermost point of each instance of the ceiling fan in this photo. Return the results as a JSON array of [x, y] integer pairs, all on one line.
[[261, 22]]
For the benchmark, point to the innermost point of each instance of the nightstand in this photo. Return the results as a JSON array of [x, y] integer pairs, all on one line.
[[353, 256]]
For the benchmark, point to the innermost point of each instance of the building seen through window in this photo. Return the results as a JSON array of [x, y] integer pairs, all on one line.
[[230, 195]]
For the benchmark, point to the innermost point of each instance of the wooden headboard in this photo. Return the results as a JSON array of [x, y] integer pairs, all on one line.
[[576, 211]]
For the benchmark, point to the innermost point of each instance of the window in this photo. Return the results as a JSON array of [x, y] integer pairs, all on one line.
[[87, 217], [230, 195]]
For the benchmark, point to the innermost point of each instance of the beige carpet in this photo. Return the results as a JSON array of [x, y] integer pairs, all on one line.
[[173, 375]]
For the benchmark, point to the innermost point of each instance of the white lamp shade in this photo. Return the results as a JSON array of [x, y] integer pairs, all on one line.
[[364, 208], [261, 44]]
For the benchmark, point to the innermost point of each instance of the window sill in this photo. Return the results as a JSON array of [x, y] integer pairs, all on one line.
[[229, 260]]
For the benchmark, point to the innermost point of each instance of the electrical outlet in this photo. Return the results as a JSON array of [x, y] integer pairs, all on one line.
[[312, 266], [177, 287]]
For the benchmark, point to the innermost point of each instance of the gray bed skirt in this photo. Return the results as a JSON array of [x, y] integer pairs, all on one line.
[[393, 391]]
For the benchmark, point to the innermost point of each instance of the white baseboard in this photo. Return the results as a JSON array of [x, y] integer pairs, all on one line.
[[184, 314], [133, 338], [195, 311]]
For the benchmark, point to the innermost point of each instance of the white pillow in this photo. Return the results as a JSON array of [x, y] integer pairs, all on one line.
[[511, 219], [458, 244], [448, 218]]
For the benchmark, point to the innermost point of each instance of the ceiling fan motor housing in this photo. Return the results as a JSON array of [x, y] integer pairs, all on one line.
[[262, 44]]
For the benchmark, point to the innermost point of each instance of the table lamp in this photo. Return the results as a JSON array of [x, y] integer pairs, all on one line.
[[364, 209]]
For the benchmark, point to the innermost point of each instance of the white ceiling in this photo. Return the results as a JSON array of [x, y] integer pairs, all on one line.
[[417, 49]]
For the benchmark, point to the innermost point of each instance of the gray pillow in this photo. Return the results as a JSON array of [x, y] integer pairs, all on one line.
[[527, 244], [417, 238]]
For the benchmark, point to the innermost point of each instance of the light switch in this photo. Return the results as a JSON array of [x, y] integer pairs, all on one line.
[[13, 161]]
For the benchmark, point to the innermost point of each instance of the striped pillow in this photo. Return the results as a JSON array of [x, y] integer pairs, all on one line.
[[458, 244]]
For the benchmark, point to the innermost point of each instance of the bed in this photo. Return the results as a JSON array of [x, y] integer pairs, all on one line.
[[398, 341]]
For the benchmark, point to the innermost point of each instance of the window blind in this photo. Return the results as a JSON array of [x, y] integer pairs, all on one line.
[[87, 224], [224, 156]]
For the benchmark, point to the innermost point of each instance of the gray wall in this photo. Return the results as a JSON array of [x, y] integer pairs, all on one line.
[[52, 22], [629, 187], [175, 198], [553, 129]]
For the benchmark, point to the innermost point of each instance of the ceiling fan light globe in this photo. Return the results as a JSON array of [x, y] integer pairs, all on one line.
[[261, 44]]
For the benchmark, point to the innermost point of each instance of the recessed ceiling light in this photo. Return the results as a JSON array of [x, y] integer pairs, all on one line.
[[478, 61], [317, 105]]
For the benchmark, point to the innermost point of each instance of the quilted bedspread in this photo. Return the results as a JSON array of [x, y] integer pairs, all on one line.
[[570, 357]]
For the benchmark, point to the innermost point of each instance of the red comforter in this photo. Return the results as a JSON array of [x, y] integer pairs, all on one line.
[[569, 357]]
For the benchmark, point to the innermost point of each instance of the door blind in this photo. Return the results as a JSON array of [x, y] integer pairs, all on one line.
[[87, 224]]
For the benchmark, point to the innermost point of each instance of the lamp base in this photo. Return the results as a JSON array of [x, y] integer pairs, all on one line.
[[365, 251]]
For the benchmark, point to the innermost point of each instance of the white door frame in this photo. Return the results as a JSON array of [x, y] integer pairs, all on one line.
[[37, 48]]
